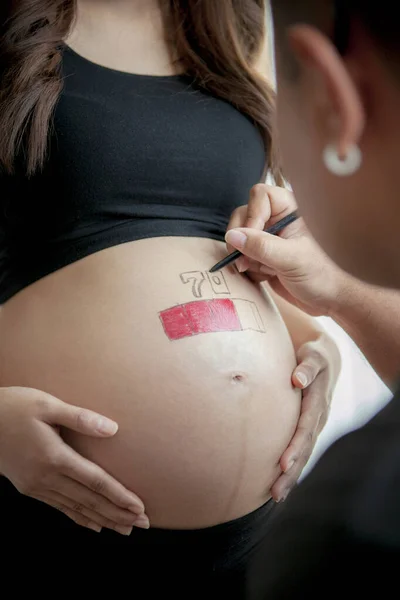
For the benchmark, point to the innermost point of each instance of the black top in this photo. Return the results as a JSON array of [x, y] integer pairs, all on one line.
[[131, 156], [338, 534]]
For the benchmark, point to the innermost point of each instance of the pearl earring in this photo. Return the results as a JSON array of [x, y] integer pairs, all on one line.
[[342, 167]]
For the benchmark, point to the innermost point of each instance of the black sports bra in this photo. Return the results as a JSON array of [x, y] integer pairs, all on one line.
[[131, 157]]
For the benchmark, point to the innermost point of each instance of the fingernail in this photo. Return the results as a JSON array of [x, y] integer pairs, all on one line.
[[142, 522], [284, 496], [240, 266], [236, 239], [106, 426], [290, 465], [302, 378], [123, 530], [94, 527]]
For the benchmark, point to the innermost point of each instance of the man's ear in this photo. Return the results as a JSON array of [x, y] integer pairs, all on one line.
[[317, 57]]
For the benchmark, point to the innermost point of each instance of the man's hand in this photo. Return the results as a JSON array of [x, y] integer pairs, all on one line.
[[292, 263]]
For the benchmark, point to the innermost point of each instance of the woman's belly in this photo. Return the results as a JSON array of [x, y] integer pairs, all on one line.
[[195, 370]]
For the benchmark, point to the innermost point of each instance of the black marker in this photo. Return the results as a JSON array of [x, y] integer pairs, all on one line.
[[273, 230]]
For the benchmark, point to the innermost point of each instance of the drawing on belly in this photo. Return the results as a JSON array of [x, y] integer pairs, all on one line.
[[211, 316], [197, 279], [218, 283]]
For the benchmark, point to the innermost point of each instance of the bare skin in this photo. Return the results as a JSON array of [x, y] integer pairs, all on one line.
[[203, 421]]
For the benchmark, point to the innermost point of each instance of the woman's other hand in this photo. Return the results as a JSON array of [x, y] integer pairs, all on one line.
[[316, 375], [40, 464]]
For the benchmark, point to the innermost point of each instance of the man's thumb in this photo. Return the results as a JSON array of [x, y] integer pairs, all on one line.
[[267, 249]]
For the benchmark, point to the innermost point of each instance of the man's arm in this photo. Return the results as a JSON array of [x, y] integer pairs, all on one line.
[[371, 316]]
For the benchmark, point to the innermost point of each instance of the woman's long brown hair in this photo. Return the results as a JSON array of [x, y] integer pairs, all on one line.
[[217, 42]]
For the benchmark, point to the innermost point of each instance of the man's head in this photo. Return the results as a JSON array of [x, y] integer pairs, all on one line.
[[338, 69]]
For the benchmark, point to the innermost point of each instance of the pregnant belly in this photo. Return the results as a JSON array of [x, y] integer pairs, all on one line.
[[195, 369]]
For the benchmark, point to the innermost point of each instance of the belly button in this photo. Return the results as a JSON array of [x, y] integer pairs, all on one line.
[[239, 378]]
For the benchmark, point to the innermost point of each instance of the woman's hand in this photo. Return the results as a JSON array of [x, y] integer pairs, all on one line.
[[316, 374], [292, 262], [37, 461]]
